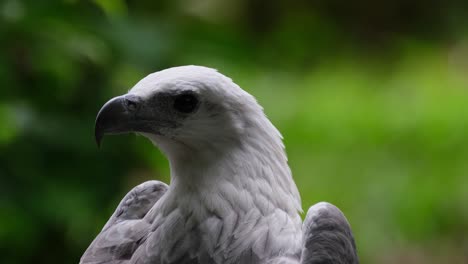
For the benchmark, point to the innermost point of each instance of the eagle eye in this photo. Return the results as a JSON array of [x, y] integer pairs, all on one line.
[[185, 103]]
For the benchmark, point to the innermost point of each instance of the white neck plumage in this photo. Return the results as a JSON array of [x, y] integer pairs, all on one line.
[[252, 173]]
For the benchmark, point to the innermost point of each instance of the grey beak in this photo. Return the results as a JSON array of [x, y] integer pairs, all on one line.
[[117, 116]]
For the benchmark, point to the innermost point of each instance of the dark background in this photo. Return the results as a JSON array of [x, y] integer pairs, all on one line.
[[371, 97]]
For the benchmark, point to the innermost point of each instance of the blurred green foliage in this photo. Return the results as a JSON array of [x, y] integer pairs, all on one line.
[[371, 97]]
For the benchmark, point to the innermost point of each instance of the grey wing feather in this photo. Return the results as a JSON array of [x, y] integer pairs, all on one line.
[[327, 237], [126, 228]]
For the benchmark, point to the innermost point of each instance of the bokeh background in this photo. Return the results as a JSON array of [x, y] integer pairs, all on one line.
[[371, 97]]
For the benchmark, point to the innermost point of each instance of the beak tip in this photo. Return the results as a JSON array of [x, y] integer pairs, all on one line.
[[98, 137], [98, 143]]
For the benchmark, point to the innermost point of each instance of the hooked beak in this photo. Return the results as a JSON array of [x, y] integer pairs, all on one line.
[[119, 115]]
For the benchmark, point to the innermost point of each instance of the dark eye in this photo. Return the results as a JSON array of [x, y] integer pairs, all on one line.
[[185, 103]]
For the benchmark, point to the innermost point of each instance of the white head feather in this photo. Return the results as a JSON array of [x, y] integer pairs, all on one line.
[[229, 129], [225, 158]]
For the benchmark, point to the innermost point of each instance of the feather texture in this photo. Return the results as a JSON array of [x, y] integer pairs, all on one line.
[[327, 237], [126, 228], [232, 198]]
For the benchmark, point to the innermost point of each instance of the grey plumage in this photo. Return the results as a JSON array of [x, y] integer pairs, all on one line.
[[126, 229], [327, 237], [232, 198]]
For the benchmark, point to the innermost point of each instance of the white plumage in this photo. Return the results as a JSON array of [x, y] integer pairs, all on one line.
[[231, 199]]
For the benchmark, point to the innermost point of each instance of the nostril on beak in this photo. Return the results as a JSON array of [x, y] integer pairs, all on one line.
[[131, 105], [132, 102]]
